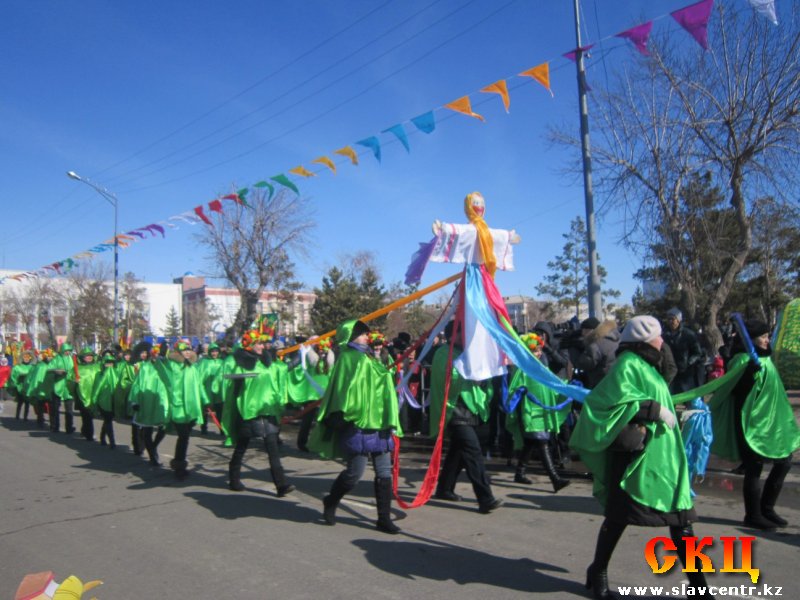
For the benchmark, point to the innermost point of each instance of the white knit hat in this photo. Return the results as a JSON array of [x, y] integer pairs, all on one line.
[[643, 328]]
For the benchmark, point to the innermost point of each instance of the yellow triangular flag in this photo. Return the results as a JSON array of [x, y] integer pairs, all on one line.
[[540, 73], [499, 87], [463, 106], [302, 171], [349, 153], [324, 160]]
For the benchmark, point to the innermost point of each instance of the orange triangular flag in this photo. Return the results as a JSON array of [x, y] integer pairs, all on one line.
[[324, 160], [541, 74], [463, 106], [302, 171], [499, 87], [349, 153]]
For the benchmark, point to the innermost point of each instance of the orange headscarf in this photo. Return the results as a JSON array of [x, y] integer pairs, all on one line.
[[484, 237]]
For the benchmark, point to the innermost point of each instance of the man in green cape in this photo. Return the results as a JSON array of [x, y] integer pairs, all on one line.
[[534, 420], [467, 406], [626, 436], [255, 398], [103, 391], [39, 385], [16, 383], [357, 418], [149, 399], [87, 371], [210, 368], [185, 401], [62, 370], [754, 423]]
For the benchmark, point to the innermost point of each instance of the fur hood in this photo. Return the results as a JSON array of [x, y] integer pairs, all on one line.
[[606, 329]]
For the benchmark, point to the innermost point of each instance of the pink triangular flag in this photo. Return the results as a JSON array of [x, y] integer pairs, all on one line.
[[638, 36], [694, 19]]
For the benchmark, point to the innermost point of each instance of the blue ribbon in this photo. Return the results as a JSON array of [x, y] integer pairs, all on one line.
[[519, 354]]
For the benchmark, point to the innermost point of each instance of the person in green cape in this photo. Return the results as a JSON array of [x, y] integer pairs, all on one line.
[[16, 383], [753, 422], [307, 385], [39, 384], [149, 399], [87, 371], [626, 436], [255, 398], [357, 418], [533, 425], [103, 391], [185, 401], [62, 371], [126, 373], [467, 406], [210, 367]]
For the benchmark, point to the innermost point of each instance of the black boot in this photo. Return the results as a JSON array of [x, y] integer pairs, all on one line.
[[383, 499], [772, 489], [550, 467], [331, 501], [751, 490], [697, 580], [235, 476], [181, 468], [519, 476], [597, 573]]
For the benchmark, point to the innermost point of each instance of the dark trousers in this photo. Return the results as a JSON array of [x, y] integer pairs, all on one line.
[[306, 424], [151, 442], [184, 431], [107, 429], [465, 451], [23, 400], [55, 414], [273, 452], [87, 421]]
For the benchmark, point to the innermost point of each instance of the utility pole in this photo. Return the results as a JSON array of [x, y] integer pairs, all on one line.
[[595, 303]]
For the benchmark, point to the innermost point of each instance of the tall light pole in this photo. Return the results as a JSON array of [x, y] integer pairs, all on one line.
[[595, 300], [111, 199]]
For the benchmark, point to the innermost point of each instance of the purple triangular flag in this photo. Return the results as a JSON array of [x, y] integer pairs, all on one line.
[[418, 262], [573, 54], [638, 36], [694, 19]]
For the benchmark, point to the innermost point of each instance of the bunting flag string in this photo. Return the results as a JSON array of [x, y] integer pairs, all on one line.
[[692, 18]]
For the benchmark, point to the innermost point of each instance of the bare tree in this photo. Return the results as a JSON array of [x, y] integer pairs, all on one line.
[[250, 247], [199, 318], [90, 305], [733, 111]]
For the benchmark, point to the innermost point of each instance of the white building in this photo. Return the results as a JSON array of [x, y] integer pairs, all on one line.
[[158, 298], [223, 303]]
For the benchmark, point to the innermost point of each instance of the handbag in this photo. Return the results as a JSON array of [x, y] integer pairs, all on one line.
[[632, 438]]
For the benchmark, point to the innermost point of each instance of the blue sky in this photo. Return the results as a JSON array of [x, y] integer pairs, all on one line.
[[169, 104]]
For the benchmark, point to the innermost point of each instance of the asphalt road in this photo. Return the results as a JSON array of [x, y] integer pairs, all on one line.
[[74, 507]]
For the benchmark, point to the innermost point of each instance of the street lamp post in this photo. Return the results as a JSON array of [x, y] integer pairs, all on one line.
[[111, 199]]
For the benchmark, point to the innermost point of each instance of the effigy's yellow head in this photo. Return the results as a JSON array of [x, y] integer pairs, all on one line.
[[474, 206]]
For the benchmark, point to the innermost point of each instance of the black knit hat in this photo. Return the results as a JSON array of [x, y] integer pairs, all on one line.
[[756, 328], [359, 328], [590, 323]]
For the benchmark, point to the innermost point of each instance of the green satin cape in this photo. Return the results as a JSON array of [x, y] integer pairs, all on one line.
[[64, 387], [210, 372], [300, 388], [88, 373], [658, 476], [38, 384], [105, 387], [768, 421], [149, 391], [534, 417], [363, 391], [474, 397], [19, 374], [185, 403]]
